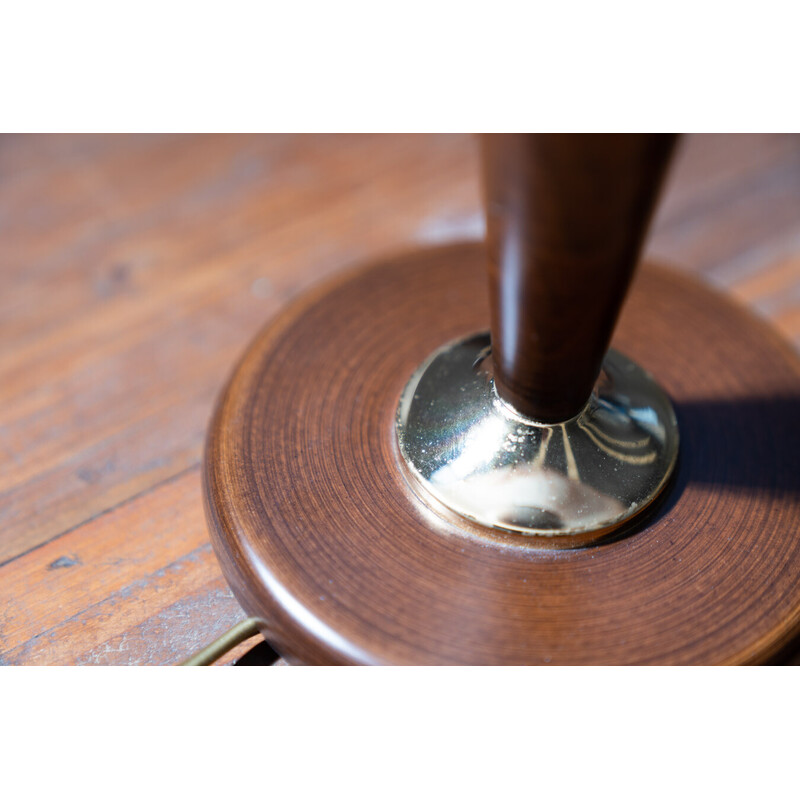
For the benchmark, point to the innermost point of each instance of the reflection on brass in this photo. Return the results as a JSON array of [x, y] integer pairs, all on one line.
[[475, 454]]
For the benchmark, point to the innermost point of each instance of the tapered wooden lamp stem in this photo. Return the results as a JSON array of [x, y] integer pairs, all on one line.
[[566, 218]]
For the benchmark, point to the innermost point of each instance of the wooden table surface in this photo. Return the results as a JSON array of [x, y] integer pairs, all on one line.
[[134, 270]]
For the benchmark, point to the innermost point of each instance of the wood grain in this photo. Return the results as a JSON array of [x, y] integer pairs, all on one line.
[[135, 269]]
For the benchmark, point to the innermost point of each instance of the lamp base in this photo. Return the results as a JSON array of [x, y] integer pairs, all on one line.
[[321, 536]]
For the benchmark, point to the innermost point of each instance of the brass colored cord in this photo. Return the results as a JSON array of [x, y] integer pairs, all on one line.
[[211, 652]]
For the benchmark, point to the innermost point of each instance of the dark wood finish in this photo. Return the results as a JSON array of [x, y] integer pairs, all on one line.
[[135, 269], [566, 219], [320, 536]]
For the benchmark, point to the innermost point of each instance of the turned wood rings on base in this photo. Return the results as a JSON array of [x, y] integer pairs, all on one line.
[[320, 535]]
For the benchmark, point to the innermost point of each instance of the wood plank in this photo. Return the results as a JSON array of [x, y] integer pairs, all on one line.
[[731, 205], [81, 393], [135, 581]]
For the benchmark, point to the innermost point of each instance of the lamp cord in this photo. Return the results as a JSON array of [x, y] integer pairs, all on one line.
[[214, 651]]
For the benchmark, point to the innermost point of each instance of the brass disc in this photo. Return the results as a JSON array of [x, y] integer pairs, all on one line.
[[319, 534], [566, 484]]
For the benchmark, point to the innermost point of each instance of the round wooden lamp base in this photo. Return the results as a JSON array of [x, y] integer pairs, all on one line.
[[321, 537]]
